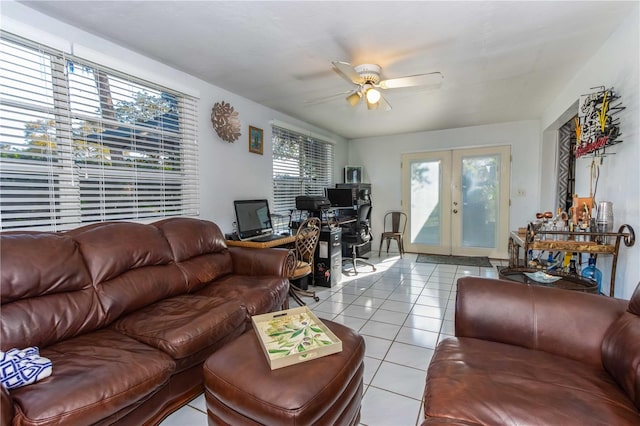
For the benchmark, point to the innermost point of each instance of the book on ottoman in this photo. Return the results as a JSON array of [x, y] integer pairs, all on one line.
[[292, 336]]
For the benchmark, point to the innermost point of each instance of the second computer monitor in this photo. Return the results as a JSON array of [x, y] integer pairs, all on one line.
[[340, 197]]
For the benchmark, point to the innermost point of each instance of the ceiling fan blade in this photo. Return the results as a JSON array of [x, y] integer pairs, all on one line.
[[327, 98], [384, 104], [429, 79], [354, 97], [347, 72]]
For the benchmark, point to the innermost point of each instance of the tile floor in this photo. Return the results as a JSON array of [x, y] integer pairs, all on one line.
[[402, 309]]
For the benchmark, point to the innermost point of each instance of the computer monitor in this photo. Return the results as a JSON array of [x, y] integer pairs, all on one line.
[[252, 218], [340, 197]]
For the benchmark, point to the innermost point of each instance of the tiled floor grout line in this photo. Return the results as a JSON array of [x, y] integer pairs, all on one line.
[[395, 393], [404, 323]]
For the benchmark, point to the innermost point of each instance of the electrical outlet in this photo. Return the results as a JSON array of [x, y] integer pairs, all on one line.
[[521, 193]]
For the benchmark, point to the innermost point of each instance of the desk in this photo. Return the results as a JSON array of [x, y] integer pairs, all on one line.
[[286, 239]]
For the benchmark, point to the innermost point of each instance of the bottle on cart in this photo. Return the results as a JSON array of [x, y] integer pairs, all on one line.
[[566, 261], [550, 265], [530, 262], [572, 265], [593, 273]]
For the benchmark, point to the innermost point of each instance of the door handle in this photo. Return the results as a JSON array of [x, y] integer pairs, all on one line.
[[455, 211]]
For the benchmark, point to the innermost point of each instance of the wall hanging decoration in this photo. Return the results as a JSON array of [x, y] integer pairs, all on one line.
[[225, 121], [597, 128], [353, 174], [256, 141]]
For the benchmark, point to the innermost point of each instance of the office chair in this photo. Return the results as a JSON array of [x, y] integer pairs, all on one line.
[[359, 236], [307, 238], [394, 225]]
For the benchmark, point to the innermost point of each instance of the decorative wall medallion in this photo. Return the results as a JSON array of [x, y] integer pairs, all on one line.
[[225, 121]]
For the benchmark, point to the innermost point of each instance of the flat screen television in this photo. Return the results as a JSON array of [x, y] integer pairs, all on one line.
[[340, 197], [252, 218]]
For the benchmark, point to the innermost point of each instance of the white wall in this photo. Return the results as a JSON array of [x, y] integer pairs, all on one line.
[[616, 64], [228, 171], [381, 158]]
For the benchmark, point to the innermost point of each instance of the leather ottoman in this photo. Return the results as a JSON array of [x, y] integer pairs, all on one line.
[[241, 389]]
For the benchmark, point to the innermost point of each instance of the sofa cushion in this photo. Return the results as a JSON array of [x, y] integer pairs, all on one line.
[[535, 317], [94, 376], [131, 265], [257, 293], [189, 237], [202, 269], [521, 385], [112, 248], [621, 354], [199, 249], [6, 407], [634, 302], [183, 325], [44, 281]]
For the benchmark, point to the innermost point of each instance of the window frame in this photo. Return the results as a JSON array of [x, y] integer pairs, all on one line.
[[165, 140], [306, 169]]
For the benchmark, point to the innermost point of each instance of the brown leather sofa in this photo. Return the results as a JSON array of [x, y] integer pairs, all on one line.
[[127, 313], [532, 355]]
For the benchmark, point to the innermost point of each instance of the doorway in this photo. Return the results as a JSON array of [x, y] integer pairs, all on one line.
[[457, 201]]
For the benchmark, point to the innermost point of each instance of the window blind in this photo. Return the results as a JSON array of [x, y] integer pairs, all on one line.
[[302, 165], [82, 143]]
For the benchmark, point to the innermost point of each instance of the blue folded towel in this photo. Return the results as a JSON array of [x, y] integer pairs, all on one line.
[[20, 367]]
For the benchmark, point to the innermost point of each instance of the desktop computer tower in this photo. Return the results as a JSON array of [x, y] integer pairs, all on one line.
[[328, 258]]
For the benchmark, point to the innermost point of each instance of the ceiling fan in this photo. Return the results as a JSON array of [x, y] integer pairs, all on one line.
[[367, 79]]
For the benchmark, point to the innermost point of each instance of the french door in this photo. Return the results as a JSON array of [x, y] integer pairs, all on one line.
[[457, 201]]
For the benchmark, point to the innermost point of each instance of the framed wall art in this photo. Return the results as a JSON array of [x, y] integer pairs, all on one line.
[[353, 174], [256, 140]]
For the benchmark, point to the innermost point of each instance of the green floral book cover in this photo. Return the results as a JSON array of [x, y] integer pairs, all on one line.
[[293, 336]]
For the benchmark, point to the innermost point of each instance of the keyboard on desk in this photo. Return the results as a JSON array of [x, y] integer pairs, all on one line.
[[345, 219]]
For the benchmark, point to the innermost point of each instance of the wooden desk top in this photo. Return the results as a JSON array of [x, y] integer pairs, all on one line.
[[345, 219], [286, 239]]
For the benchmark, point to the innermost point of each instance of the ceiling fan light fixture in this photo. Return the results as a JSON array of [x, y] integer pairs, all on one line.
[[354, 98], [373, 96], [369, 84]]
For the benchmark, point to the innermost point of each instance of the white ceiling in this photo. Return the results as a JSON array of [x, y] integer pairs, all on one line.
[[501, 61]]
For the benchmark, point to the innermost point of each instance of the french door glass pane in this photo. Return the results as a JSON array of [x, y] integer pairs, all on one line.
[[425, 202], [480, 198]]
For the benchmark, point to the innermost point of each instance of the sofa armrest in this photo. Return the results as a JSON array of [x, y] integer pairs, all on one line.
[[6, 407], [271, 261], [566, 323]]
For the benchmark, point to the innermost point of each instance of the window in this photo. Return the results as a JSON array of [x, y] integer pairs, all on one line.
[[80, 143], [302, 165]]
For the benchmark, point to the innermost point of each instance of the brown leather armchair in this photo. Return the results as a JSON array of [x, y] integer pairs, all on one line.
[[527, 355]]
